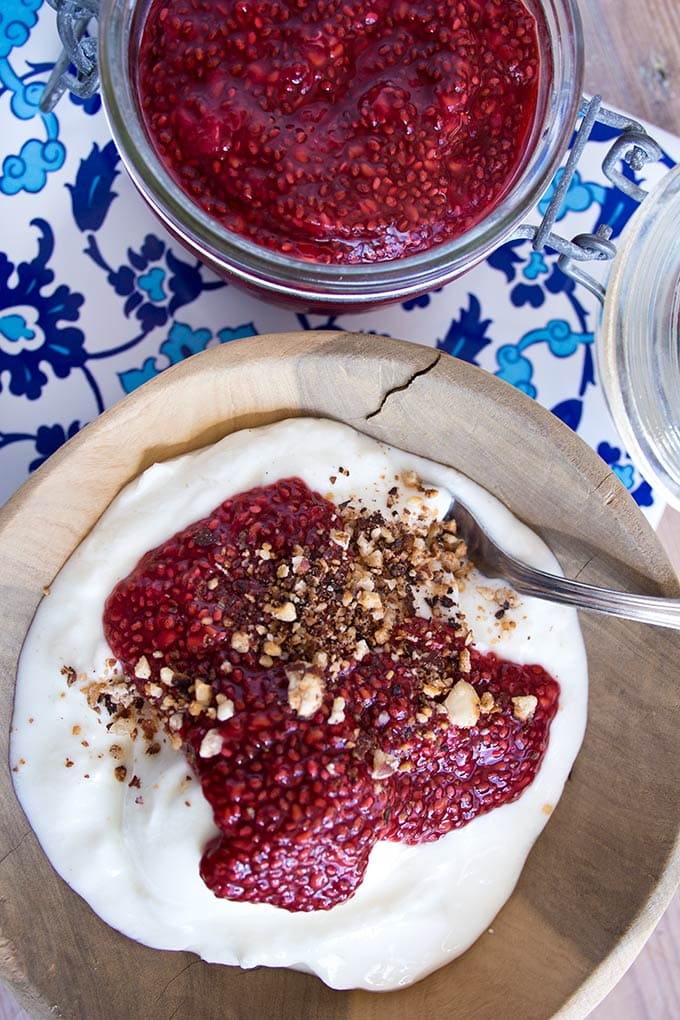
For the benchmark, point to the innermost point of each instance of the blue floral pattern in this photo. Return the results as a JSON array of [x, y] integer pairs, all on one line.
[[33, 336], [95, 298], [154, 281], [26, 169]]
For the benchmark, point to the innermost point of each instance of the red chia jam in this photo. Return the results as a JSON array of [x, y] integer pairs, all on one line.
[[341, 131], [278, 643]]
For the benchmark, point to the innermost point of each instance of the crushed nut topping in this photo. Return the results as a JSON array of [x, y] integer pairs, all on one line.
[[337, 712], [384, 764], [287, 612], [240, 641], [305, 689], [463, 705], [524, 706], [143, 669], [211, 744], [312, 619], [505, 598], [203, 693], [225, 708], [487, 703], [315, 618]]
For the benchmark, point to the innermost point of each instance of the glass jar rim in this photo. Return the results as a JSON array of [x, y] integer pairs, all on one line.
[[638, 348], [297, 278]]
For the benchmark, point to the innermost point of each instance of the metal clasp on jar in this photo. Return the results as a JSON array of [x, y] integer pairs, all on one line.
[[79, 53], [636, 148]]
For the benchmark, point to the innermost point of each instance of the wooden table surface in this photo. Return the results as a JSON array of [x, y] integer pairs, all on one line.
[[633, 61]]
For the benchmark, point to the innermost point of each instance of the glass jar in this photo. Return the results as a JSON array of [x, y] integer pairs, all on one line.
[[336, 287], [639, 343]]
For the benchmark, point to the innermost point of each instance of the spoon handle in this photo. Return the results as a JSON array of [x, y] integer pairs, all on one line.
[[662, 612]]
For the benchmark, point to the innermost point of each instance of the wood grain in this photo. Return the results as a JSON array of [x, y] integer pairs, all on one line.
[[633, 56], [633, 60], [650, 989], [600, 876]]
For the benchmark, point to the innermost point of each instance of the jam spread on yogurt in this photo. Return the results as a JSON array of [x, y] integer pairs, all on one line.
[[310, 662], [341, 131]]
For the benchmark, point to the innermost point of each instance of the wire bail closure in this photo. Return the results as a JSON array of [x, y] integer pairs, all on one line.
[[76, 71], [636, 148]]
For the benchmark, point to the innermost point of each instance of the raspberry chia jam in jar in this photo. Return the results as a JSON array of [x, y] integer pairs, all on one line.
[[341, 130], [341, 154]]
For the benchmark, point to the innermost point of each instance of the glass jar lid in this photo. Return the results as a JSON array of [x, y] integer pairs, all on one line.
[[639, 345]]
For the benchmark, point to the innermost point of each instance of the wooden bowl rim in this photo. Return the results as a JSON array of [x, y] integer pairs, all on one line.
[[418, 360]]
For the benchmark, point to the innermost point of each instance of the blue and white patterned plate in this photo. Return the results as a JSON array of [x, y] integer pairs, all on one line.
[[95, 297]]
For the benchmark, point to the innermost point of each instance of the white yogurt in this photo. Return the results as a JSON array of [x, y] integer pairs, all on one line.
[[133, 854]]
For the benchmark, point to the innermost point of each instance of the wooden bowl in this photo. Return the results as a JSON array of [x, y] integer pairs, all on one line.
[[604, 870]]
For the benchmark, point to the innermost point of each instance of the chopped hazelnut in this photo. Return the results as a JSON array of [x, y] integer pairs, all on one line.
[[524, 706], [286, 612], [305, 690], [240, 641], [384, 764], [462, 705], [203, 693], [337, 712], [143, 669], [225, 710], [464, 661], [374, 560], [211, 744], [361, 650], [486, 703], [364, 546], [370, 600]]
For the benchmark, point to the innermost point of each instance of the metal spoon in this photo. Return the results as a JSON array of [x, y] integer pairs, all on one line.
[[526, 580]]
